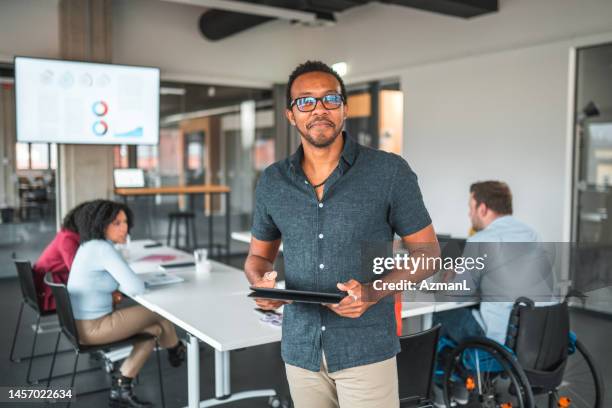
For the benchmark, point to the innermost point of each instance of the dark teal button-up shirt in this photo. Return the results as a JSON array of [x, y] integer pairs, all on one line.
[[369, 197]]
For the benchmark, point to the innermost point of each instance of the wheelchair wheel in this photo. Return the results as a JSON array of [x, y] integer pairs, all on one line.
[[581, 386], [490, 375]]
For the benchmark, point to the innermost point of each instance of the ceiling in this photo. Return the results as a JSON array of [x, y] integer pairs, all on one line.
[[224, 18]]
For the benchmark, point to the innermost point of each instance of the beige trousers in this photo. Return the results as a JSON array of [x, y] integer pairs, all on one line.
[[367, 386], [124, 323]]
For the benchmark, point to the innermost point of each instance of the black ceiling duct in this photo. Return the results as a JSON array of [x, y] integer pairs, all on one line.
[[457, 8], [218, 24]]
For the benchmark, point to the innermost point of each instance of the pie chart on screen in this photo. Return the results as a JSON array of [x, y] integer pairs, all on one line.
[[99, 128], [100, 108]]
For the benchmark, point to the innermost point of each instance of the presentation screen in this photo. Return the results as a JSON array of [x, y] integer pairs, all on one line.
[[86, 103]]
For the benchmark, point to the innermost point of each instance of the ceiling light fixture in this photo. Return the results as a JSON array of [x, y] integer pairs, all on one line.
[[341, 68], [253, 9], [166, 90]]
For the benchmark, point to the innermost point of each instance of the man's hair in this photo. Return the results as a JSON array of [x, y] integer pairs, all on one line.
[[69, 222], [93, 219], [496, 195], [313, 66]]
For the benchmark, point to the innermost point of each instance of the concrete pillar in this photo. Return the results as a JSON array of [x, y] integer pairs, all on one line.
[[84, 171], [287, 139], [8, 178]]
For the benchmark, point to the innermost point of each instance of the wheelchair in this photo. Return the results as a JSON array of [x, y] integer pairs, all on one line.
[[541, 364]]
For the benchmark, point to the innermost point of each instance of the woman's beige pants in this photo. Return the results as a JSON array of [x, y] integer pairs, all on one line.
[[124, 323]]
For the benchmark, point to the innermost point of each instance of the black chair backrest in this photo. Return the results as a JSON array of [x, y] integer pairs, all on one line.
[[64, 310], [26, 281], [451, 247], [539, 335], [416, 363]]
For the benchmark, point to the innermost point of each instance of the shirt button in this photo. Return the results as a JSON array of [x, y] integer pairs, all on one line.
[[321, 266], [320, 205], [320, 236], [322, 328]]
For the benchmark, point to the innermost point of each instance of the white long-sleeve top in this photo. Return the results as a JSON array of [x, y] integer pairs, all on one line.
[[97, 271]]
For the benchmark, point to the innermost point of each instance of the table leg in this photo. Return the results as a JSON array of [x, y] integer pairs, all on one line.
[[227, 225], [223, 391], [210, 225], [193, 371], [222, 374]]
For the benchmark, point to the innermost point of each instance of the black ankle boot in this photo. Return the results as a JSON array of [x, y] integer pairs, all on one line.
[[122, 394], [176, 354]]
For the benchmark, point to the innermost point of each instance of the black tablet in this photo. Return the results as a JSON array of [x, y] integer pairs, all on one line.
[[296, 295]]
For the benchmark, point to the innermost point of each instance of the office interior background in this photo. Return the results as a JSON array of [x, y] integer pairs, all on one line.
[[521, 94]]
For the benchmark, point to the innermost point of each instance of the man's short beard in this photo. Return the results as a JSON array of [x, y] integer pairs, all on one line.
[[324, 143]]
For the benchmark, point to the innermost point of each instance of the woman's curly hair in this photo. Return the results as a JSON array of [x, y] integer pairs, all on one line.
[[69, 222], [93, 219]]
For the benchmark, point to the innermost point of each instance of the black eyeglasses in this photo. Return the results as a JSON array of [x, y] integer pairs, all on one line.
[[309, 103]]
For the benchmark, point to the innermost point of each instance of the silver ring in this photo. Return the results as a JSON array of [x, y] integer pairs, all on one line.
[[354, 297]]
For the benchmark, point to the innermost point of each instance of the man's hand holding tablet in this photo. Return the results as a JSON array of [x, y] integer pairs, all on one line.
[[353, 305], [268, 281]]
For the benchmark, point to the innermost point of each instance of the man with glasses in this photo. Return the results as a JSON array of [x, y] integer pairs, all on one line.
[[323, 202]]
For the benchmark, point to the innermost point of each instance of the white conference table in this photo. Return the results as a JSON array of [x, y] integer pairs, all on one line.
[[215, 309]]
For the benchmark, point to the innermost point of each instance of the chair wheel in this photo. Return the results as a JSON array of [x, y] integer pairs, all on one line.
[[274, 402]]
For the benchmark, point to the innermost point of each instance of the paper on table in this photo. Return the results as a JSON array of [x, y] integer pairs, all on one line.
[[140, 267], [160, 278], [159, 258]]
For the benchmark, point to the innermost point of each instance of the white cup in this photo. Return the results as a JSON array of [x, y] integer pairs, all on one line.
[[202, 264]]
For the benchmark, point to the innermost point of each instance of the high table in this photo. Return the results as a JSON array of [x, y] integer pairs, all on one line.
[[204, 189], [215, 309]]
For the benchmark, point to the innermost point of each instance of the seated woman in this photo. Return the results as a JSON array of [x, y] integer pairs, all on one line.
[[57, 258], [98, 270]]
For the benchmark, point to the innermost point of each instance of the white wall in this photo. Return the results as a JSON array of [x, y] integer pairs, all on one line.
[[498, 116], [28, 27]]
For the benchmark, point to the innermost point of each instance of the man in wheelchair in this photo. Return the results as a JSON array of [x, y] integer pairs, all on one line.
[[504, 350]]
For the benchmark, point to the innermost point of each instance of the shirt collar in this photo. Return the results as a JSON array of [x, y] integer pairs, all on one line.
[[349, 152]]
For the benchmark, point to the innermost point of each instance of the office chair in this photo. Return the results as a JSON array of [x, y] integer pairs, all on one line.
[[69, 329], [419, 354], [29, 297]]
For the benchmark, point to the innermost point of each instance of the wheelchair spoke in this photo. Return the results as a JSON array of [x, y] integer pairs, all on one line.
[[478, 373], [575, 394]]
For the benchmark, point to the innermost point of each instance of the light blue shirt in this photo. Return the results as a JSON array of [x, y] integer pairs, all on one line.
[[493, 316], [97, 271]]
